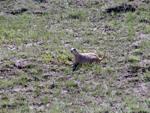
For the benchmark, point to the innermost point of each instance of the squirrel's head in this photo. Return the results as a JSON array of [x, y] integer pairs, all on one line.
[[74, 51]]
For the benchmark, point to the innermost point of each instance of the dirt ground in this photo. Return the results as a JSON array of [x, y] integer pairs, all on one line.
[[36, 64]]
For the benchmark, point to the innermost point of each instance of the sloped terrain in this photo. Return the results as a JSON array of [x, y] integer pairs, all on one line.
[[35, 59]]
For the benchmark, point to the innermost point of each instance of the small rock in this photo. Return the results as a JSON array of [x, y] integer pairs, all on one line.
[[20, 64], [136, 44], [64, 92]]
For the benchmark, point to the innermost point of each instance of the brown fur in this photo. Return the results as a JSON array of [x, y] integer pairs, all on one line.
[[80, 58]]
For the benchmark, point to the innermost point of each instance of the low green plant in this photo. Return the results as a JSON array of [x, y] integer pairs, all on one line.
[[146, 76], [133, 59], [45, 99], [46, 57], [77, 14], [71, 84]]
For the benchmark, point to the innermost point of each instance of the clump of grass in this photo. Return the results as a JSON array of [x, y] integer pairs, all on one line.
[[23, 55], [63, 57], [138, 51], [147, 29], [36, 73], [97, 68], [37, 88], [22, 79], [4, 100], [56, 92], [77, 14], [22, 28], [145, 45], [66, 70], [131, 103], [133, 59], [57, 107], [7, 64], [134, 106], [130, 20], [146, 76], [99, 90], [108, 70], [17, 103], [46, 57], [45, 99], [71, 84], [147, 101], [6, 83]]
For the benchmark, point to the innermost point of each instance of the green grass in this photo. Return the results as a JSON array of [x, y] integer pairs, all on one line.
[[47, 84], [22, 79], [138, 52], [133, 59], [146, 76], [22, 28], [77, 14]]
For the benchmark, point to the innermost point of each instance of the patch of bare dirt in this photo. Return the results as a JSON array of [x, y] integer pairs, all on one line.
[[131, 74]]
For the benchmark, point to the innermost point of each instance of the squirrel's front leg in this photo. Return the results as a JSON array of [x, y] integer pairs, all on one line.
[[74, 67]]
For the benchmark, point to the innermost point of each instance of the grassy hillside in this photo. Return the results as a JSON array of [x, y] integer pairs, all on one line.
[[35, 59]]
